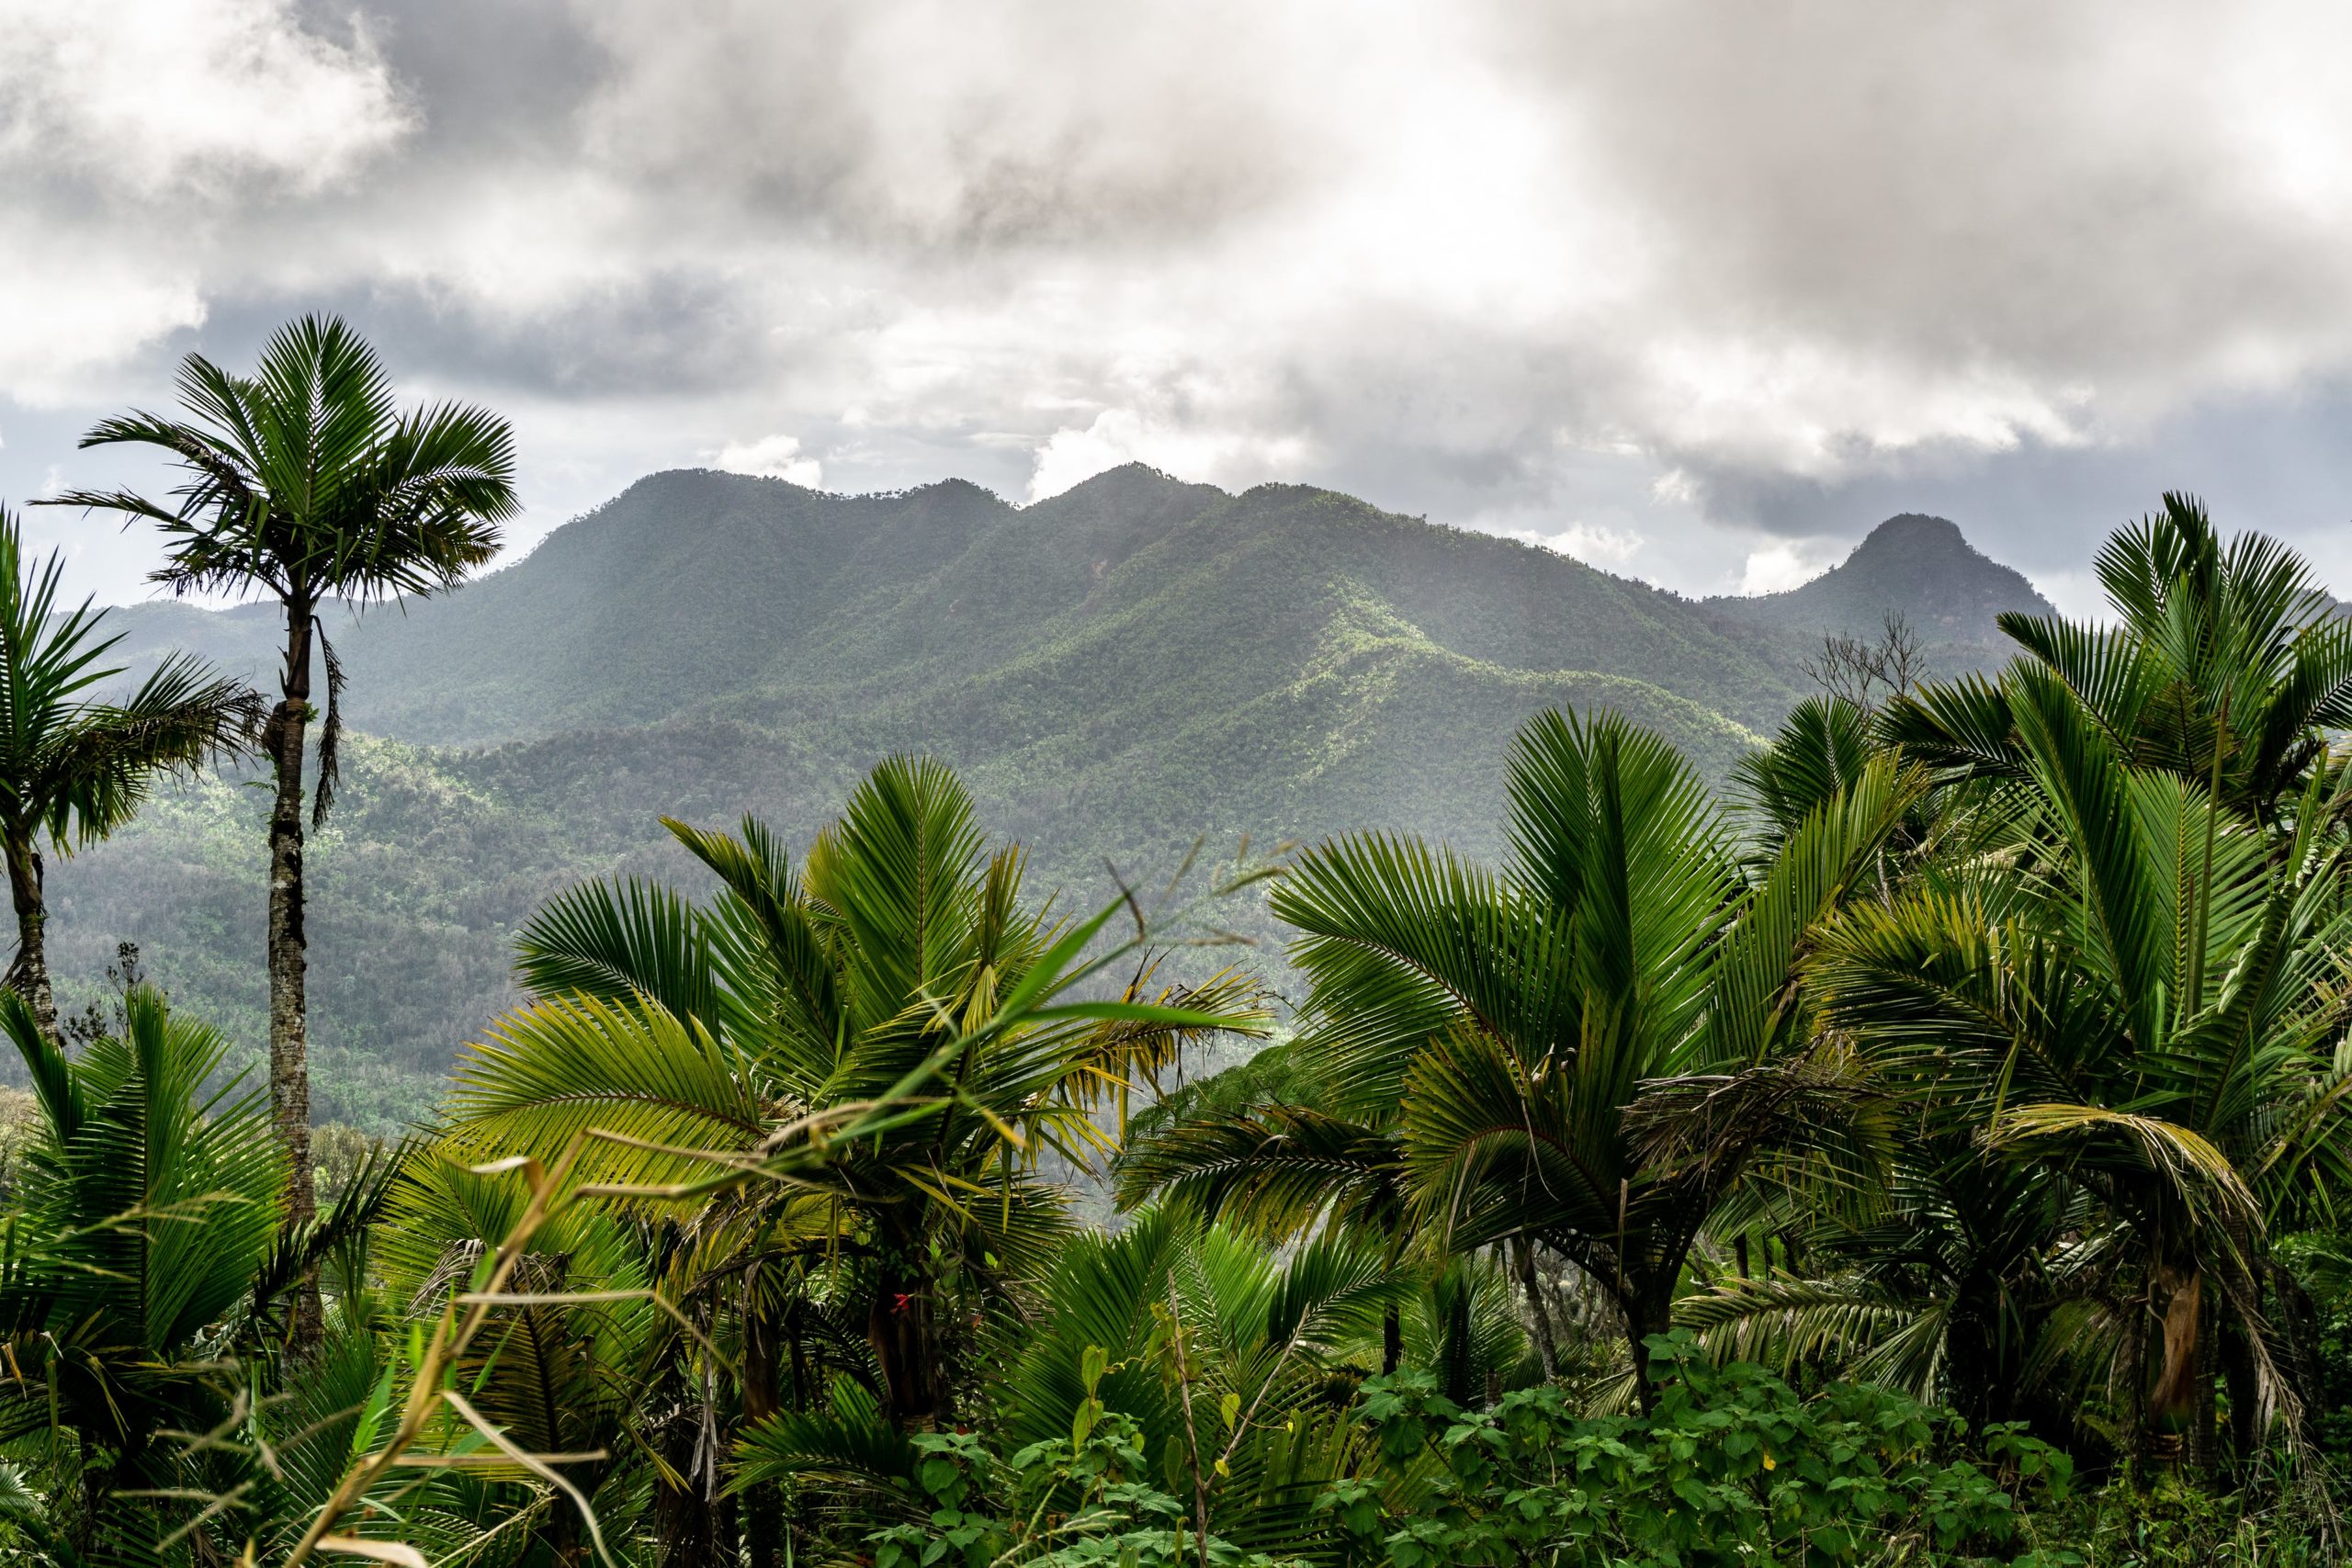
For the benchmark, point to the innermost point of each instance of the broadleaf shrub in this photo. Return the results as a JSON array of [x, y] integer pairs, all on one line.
[[1068, 1502], [1731, 1465]]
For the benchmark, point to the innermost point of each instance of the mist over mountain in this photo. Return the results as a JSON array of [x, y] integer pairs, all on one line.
[[1126, 668]]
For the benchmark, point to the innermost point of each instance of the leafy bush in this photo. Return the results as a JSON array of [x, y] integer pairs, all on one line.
[[1066, 1502], [1732, 1465]]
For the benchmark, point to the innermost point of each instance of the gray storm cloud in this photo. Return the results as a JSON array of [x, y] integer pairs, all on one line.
[[1686, 286]]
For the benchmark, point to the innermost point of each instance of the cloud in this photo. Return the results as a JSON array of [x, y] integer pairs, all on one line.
[[930, 123], [131, 135], [1706, 278], [1786, 563], [1073, 455], [1592, 543], [773, 458], [137, 98], [76, 313]]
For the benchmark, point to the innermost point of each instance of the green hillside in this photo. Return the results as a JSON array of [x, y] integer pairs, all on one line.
[[1118, 670], [691, 590]]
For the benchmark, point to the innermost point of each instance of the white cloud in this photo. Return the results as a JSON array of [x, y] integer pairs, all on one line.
[[75, 314], [1073, 455], [134, 134], [773, 458], [138, 97], [1594, 543], [1787, 563]]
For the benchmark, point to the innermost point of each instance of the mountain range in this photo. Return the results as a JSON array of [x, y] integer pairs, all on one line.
[[1119, 671]]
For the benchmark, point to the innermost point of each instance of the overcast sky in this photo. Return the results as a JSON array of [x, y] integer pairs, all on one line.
[[1696, 292]]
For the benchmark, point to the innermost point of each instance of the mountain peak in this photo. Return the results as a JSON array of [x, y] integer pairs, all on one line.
[[1914, 565], [1130, 484], [1916, 530]]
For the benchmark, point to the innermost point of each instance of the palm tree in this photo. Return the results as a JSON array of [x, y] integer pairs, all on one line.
[[2143, 995], [2226, 664], [1219, 1349], [1947, 1283], [147, 1209], [811, 987], [73, 769], [557, 1376], [1252, 1147], [1511, 1023], [305, 482]]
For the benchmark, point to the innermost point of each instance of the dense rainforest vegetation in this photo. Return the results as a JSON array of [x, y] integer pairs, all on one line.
[[1922, 1147]]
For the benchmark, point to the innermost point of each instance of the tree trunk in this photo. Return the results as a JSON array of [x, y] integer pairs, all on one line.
[[1392, 1339], [896, 1323], [2296, 1318], [800, 1383], [1546, 1346], [29, 974], [2172, 1403], [1649, 1310], [289, 1065], [1977, 1370], [684, 1522], [562, 1533], [2139, 1432], [2238, 1367], [762, 1505], [2204, 1440]]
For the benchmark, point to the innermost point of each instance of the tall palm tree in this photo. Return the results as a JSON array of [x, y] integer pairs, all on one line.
[[1511, 1023], [811, 986], [73, 768], [2144, 995], [306, 482]]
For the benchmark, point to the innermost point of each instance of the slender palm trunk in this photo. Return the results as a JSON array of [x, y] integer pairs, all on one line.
[[29, 974], [2131, 1372], [1523, 1254], [685, 1524], [764, 1504], [898, 1326], [2236, 1355], [1649, 1310], [289, 1065], [801, 1385], [2204, 1433]]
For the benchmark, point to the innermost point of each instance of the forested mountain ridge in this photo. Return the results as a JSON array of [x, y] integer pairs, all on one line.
[[1117, 670], [693, 587]]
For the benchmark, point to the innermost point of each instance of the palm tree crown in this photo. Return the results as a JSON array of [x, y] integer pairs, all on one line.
[[822, 985], [74, 768], [306, 481], [2226, 664], [1502, 1028]]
